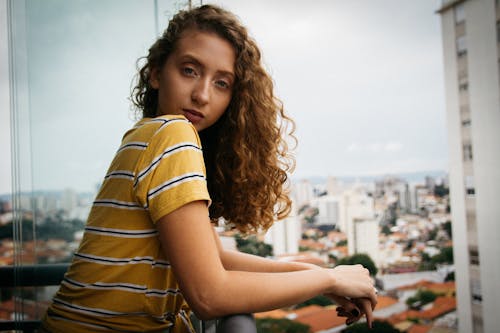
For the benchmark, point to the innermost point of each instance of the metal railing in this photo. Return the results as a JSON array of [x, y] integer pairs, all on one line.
[[52, 275]]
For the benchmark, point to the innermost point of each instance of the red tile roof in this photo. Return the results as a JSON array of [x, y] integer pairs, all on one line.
[[385, 301], [321, 319], [440, 307], [419, 328], [444, 287]]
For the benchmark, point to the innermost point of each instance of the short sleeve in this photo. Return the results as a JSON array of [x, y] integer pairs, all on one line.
[[171, 172]]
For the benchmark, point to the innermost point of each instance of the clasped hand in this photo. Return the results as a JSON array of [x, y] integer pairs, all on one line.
[[354, 293]]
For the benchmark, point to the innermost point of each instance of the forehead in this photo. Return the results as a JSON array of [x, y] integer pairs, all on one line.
[[208, 48]]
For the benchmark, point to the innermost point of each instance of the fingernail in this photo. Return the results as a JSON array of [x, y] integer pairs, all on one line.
[[355, 312]]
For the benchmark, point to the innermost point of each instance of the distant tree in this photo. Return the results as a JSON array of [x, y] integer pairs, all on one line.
[[378, 327], [57, 228], [421, 298], [7, 230], [271, 325], [441, 190], [447, 228], [332, 257], [342, 242], [303, 208], [432, 234], [318, 300], [252, 245], [360, 258], [386, 230], [445, 256], [311, 214]]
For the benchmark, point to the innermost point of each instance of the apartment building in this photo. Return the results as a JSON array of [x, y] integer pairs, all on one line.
[[471, 44]]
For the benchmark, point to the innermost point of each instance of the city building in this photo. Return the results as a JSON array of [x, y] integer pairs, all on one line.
[[284, 235], [354, 204], [328, 209], [471, 43], [366, 238], [302, 192]]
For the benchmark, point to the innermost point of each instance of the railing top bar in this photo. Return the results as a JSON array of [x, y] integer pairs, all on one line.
[[32, 275]]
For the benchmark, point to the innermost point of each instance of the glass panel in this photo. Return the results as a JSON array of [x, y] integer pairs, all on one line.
[[71, 64]]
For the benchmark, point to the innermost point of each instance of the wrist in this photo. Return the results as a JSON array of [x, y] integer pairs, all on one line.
[[302, 266]]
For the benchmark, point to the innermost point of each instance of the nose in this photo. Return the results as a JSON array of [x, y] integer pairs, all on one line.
[[201, 92]]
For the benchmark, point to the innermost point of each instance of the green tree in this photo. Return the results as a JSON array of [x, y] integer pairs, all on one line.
[[421, 298], [253, 246], [311, 214], [386, 230], [342, 242], [447, 228], [270, 325], [445, 256], [317, 300], [378, 327], [7, 230], [441, 190], [450, 277], [360, 258], [59, 229]]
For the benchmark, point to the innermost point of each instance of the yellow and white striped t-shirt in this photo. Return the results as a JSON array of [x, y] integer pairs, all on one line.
[[119, 278]]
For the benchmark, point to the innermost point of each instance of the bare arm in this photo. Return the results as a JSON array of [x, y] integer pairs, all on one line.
[[238, 261], [212, 290]]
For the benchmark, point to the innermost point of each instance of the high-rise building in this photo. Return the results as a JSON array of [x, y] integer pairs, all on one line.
[[366, 238], [471, 44], [302, 193], [284, 235], [355, 204], [328, 209]]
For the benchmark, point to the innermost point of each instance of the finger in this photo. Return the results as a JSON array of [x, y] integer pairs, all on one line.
[[373, 298], [365, 306], [339, 299]]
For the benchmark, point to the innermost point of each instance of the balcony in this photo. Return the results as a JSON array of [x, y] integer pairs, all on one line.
[[50, 275]]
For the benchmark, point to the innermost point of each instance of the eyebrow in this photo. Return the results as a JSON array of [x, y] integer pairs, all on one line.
[[191, 58]]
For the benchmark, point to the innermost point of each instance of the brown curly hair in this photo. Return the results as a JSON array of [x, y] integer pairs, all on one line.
[[245, 151]]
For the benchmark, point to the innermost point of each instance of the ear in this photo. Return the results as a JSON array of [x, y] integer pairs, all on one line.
[[154, 78]]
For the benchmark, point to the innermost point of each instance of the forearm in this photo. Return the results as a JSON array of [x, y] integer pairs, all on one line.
[[247, 292], [238, 261]]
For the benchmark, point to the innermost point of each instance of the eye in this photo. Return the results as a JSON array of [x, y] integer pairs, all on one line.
[[222, 84], [188, 71]]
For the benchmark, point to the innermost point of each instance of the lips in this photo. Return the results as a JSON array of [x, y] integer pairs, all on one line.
[[192, 115]]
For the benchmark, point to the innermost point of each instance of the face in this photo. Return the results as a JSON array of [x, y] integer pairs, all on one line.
[[197, 79]]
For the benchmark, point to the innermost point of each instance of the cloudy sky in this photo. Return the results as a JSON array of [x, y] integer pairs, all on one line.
[[363, 80]]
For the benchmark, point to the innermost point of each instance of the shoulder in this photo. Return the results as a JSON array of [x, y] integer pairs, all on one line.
[[168, 129]]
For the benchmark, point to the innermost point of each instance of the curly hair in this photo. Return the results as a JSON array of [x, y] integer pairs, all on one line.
[[245, 151]]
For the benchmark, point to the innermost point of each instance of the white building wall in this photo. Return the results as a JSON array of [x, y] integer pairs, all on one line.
[[354, 204], [484, 105], [328, 209], [366, 236], [284, 235], [302, 193], [484, 100]]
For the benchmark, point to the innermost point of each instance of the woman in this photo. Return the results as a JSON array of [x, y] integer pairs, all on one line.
[[150, 254]]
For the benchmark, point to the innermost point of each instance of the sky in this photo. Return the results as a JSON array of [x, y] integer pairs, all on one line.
[[362, 79]]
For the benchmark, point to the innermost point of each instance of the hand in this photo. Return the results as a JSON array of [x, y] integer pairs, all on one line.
[[353, 282], [353, 309]]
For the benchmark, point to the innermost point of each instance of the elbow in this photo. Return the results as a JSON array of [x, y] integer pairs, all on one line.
[[206, 305]]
